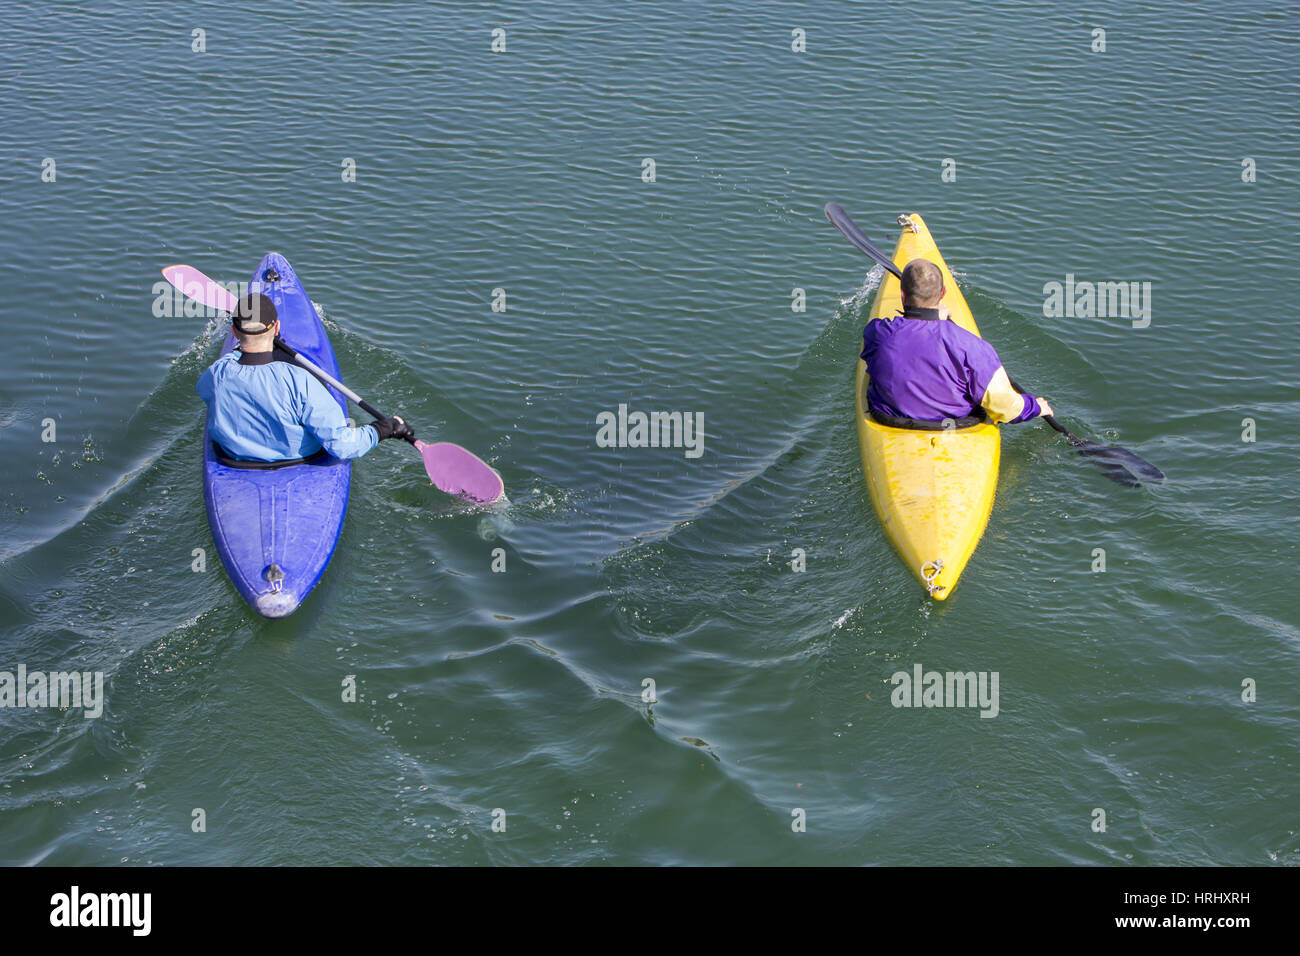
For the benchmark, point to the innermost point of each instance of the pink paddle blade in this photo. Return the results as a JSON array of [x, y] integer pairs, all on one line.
[[459, 472], [199, 287]]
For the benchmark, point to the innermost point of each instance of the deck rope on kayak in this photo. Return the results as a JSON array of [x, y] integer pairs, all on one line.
[[907, 223], [930, 570]]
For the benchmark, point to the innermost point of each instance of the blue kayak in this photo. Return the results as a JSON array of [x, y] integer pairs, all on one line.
[[276, 528]]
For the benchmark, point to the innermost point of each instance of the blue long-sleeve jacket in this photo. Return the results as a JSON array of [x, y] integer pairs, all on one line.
[[260, 409]]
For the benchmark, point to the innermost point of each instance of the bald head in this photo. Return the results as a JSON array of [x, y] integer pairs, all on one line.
[[922, 284]]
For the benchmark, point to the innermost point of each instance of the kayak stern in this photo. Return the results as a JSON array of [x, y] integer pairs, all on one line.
[[276, 604]]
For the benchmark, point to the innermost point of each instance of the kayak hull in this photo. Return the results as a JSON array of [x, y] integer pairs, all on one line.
[[275, 530], [932, 490]]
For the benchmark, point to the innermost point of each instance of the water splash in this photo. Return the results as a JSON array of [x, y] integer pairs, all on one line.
[[859, 299]]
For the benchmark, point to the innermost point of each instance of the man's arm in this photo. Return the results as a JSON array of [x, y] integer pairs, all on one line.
[[1005, 405], [204, 386], [324, 419], [207, 383]]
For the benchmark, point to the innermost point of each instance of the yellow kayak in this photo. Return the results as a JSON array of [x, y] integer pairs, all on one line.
[[932, 490]]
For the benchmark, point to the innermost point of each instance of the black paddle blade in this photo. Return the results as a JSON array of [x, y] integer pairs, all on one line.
[[850, 231], [1121, 465]]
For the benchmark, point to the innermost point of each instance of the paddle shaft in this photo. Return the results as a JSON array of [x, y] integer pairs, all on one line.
[[841, 221]]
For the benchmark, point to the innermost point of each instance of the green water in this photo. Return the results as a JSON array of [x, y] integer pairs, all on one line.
[[522, 690]]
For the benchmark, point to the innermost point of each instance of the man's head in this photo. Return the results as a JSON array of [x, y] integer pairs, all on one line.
[[922, 284], [254, 322]]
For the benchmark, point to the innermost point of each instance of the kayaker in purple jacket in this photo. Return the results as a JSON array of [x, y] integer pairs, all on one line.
[[923, 366]]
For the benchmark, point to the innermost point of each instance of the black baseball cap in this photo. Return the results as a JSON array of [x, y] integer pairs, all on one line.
[[254, 314]]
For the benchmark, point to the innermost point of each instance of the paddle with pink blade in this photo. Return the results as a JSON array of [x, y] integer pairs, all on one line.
[[451, 468]]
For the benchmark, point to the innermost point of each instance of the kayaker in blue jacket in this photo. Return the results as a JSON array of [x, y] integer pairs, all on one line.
[[262, 407], [924, 367]]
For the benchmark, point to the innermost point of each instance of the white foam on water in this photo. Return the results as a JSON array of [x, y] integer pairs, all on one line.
[[859, 299]]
